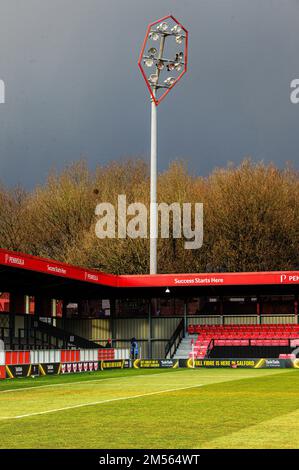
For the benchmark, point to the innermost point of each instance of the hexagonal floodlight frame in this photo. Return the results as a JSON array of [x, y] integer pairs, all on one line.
[[164, 35]]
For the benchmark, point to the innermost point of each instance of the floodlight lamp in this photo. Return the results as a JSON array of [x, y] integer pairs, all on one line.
[[149, 62], [178, 66], [179, 57], [169, 81], [153, 78], [154, 36], [152, 51], [176, 29], [170, 67], [162, 27], [160, 65], [179, 39]]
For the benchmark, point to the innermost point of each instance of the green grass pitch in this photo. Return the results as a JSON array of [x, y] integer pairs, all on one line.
[[182, 408]]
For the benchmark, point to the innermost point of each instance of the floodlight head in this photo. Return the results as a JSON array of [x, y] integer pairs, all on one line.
[[170, 66], [154, 36], [149, 62], [153, 78], [152, 51], [162, 27], [176, 29], [171, 40], [169, 81]]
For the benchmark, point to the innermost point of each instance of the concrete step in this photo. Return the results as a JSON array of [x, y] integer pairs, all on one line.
[[185, 347]]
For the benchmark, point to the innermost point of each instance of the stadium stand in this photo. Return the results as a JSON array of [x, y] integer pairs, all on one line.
[[42, 335], [243, 340]]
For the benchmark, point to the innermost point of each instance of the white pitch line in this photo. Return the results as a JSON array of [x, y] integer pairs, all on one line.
[[81, 405], [23, 389]]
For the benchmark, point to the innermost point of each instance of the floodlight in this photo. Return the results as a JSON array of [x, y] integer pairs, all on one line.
[[179, 39], [153, 78], [152, 51], [154, 36], [149, 62], [168, 34], [169, 81], [171, 66], [176, 29], [162, 27]]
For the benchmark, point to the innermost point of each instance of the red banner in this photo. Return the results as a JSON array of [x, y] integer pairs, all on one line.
[[55, 268]]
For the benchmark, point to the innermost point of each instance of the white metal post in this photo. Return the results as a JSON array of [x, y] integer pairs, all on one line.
[[193, 353], [153, 195], [153, 202]]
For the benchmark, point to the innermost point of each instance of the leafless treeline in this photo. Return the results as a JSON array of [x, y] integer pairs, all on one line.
[[251, 218]]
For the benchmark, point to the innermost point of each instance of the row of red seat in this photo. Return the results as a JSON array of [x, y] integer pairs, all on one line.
[[234, 330], [201, 347], [248, 325], [252, 335], [253, 342], [241, 335], [245, 328]]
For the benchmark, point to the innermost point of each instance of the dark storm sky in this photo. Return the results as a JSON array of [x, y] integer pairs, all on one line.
[[73, 88]]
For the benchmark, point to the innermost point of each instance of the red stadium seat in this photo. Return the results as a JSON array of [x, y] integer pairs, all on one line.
[[242, 335]]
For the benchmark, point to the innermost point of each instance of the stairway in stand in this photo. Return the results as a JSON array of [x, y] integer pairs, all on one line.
[[185, 347]]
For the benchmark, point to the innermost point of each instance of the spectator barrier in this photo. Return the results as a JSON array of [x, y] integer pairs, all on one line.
[[43, 362]]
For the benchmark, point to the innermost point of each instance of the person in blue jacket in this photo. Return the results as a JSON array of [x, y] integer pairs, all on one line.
[[134, 349]]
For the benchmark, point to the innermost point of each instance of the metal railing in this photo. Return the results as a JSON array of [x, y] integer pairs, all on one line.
[[175, 340]]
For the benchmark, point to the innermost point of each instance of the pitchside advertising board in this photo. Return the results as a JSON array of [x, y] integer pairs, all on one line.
[[216, 363], [118, 364], [90, 366], [240, 363], [156, 364], [29, 370], [78, 367], [22, 370]]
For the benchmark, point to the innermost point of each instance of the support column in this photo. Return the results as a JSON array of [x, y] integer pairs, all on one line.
[[113, 322], [296, 309], [221, 311], [185, 316], [54, 312], [258, 311], [149, 330]]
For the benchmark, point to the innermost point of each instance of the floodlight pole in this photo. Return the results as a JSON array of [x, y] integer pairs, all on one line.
[[153, 192], [153, 195]]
